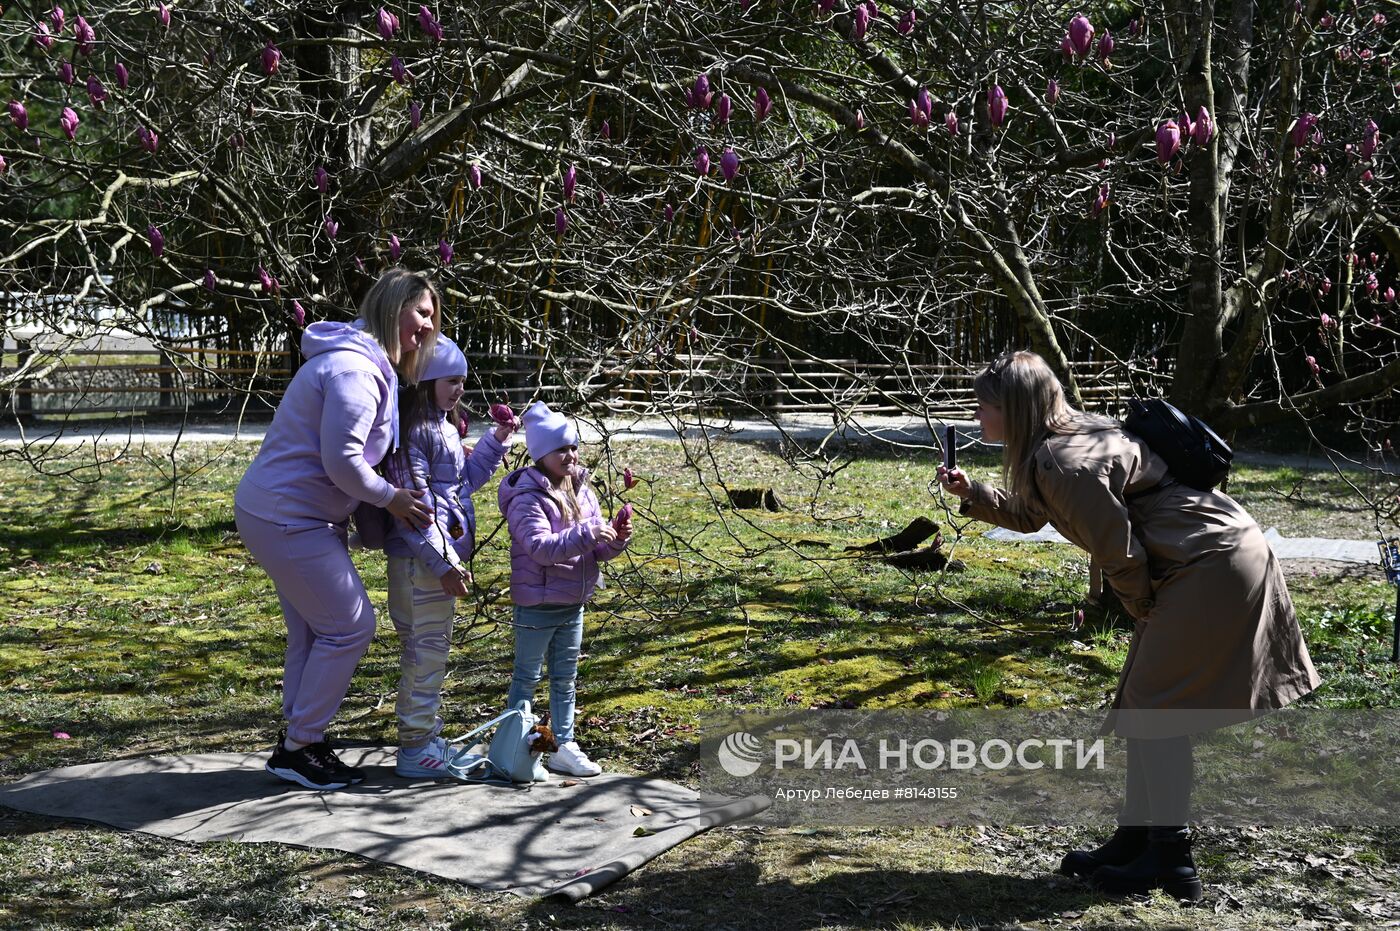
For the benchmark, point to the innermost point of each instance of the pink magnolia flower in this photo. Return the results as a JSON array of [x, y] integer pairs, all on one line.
[[415, 114], [997, 105], [387, 22], [1105, 46], [561, 221], [429, 24], [299, 314], [62, 735], [66, 74], [1203, 129], [210, 282], [96, 92], [84, 36], [1168, 140], [321, 179], [628, 479], [56, 17], [570, 183], [605, 130], [907, 22], [271, 57], [19, 115], [1100, 200], [445, 251], [331, 227], [149, 139], [69, 121], [722, 108], [762, 105], [123, 76], [700, 96], [395, 248], [702, 161], [157, 239], [860, 23], [163, 14], [1302, 129], [1370, 139], [503, 415], [1081, 34], [42, 38], [1052, 92], [729, 164]]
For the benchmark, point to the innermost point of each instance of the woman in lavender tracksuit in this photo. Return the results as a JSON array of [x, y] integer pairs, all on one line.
[[336, 422], [557, 539]]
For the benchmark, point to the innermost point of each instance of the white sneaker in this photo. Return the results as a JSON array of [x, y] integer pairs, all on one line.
[[437, 760], [571, 761]]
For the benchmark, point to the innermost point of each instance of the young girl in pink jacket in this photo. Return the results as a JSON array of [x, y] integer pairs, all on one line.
[[557, 539]]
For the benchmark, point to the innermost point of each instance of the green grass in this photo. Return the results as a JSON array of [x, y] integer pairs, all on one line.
[[132, 618]]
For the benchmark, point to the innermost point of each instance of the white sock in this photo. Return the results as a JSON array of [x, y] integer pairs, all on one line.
[[293, 745]]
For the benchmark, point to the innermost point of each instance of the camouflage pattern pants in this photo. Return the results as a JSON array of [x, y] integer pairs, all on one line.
[[422, 614]]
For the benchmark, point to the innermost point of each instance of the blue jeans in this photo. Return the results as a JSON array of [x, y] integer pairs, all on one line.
[[553, 632]]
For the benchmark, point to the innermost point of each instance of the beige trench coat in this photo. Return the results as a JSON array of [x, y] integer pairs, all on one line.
[[1215, 639]]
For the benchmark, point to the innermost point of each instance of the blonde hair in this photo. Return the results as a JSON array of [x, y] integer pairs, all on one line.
[[1033, 407], [380, 310], [564, 494]]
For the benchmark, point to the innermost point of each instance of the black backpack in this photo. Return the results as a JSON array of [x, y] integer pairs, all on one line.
[[1194, 453]]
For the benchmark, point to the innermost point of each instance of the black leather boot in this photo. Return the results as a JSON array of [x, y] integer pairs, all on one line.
[[1166, 864], [1123, 847]]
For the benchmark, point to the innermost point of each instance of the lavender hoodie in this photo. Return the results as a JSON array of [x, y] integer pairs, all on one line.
[[336, 422], [440, 465], [550, 562]]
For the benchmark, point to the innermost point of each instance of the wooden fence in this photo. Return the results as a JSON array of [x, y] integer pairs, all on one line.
[[214, 381]]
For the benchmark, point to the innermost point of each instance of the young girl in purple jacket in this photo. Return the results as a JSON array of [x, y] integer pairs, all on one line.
[[557, 539], [428, 566]]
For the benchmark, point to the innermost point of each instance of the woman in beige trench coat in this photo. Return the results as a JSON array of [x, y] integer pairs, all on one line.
[[1215, 639]]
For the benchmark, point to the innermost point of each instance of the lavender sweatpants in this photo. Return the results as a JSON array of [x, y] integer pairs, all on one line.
[[330, 621]]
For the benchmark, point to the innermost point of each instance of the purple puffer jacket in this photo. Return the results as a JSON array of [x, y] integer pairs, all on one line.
[[551, 563]]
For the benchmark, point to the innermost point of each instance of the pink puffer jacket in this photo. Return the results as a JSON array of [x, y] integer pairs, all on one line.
[[551, 562]]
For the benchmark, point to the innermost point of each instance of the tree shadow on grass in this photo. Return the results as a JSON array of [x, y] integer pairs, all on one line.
[[750, 895], [52, 543]]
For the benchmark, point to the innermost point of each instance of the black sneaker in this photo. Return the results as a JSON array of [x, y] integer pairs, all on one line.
[[351, 774], [313, 766]]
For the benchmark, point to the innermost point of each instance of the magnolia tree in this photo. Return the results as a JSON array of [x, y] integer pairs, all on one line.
[[1201, 192]]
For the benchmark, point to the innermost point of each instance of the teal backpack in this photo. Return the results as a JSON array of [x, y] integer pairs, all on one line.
[[508, 758]]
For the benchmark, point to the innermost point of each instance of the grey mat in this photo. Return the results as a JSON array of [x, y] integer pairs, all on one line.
[[544, 839], [1363, 551]]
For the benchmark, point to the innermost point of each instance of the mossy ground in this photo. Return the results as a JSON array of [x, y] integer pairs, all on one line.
[[135, 621]]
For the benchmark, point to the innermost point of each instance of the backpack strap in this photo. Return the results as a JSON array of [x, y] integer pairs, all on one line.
[[491, 723]]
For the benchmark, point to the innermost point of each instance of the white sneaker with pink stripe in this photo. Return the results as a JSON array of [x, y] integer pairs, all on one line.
[[432, 761]]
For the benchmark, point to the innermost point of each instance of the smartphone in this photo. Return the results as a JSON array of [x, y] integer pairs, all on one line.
[[950, 447]]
